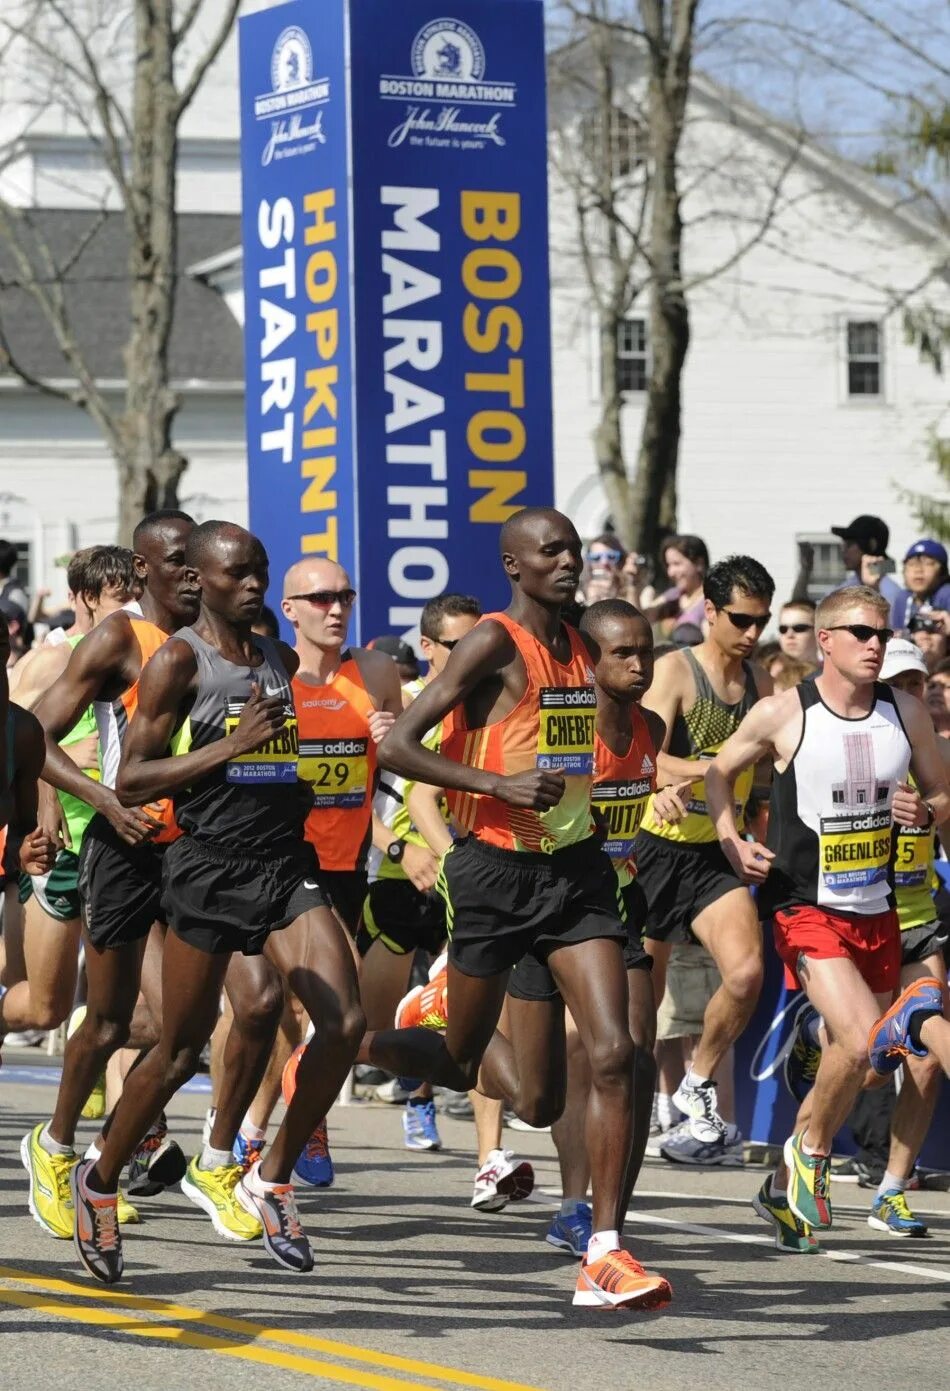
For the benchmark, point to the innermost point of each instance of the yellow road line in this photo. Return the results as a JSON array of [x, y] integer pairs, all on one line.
[[243, 1328]]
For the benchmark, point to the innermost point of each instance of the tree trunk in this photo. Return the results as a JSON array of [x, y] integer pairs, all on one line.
[[608, 439]]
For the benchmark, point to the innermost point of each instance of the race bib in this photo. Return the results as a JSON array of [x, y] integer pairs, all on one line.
[[337, 770], [621, 805], [275, 761], [566, 729], [855, 850], [914, 857]]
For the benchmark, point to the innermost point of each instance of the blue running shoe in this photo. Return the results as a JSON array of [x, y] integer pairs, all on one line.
[[246, 1151], [315, 1165], [419, 1127], [680, 1146], [570, 1231], [890, 1213], [889, 1041], [800, 1066]]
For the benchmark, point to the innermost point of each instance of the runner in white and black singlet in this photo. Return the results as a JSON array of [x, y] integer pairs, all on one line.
[[242, 879]]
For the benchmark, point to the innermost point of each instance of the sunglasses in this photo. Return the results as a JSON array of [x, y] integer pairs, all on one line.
[[795, 627], [326, 598], [745, 621], [614, 557], [448, 643], [863, 632]]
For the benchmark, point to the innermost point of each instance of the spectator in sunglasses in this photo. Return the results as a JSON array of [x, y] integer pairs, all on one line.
[[796, 631], [926, 583], [603, 565], [927, 630]]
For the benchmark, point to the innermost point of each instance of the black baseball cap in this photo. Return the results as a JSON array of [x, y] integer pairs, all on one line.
[[394, 647], [870, 533]]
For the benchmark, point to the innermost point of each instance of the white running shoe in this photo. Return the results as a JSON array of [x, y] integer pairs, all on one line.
[[700, 1106], [501, 1180]]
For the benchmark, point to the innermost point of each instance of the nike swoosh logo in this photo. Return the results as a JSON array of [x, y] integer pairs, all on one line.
[[278, 690], [309, 884]]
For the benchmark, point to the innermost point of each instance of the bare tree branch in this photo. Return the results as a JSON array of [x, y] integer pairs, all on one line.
[[207, 58]]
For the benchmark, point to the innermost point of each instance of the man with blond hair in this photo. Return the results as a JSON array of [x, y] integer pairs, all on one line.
[[843, 746]]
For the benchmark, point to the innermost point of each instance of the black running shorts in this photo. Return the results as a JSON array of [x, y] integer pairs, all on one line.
[[531, 979], [679, 881], [402, 918], [120, 886], [502, 904], [917, 943], [230, 901], [347, 890]]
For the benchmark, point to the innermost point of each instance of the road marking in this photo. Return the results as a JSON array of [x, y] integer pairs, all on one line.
[[243, 1328], [35, 1075]]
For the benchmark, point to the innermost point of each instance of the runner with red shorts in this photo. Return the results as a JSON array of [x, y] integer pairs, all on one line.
[[843, 745]]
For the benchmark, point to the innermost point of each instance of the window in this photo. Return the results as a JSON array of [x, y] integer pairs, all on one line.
[[864, 357], [632, 355], [827, 567]]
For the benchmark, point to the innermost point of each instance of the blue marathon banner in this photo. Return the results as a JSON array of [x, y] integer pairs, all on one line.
[[397, 325]]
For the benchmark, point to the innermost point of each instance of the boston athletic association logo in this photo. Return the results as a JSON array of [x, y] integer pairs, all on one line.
[[447, 85], [294, 91]]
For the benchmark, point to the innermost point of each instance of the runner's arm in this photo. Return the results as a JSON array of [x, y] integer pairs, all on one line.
[[36, 672], [147, 771], [927, 764], [27, 847], [424, 805], [483, 654], [665, 698], [752, 741]]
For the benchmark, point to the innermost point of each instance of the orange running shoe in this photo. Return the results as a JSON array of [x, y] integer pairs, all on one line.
[[426, 1006], [617, 1281]]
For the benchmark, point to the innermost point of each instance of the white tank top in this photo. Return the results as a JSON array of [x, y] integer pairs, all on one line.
[[830, 819]]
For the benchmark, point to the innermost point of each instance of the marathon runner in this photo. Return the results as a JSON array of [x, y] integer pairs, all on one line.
[[101, 579], [346, 699], [692, 893], [517, 762], [241, 879], [842, 746]]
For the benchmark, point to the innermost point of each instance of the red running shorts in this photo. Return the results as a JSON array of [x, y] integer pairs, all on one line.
[[872, 942]]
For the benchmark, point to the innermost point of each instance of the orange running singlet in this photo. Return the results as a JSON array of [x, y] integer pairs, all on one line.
[[622, 787], [552, 726], [338, 760], [112, 721]]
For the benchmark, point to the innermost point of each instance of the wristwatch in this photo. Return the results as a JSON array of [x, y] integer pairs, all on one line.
[[395, 851], [932, 815]]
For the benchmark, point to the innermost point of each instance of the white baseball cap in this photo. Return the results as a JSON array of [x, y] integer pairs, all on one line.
[[900, 656]]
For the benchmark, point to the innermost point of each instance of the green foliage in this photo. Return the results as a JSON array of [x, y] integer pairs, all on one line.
[[933, 513]]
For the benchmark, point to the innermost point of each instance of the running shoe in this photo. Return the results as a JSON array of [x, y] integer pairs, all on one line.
[[617, 1281], [699, 1104], [809, 1187], [419, 1127], [800, 1067], [571, 1231], [395, 1092], [680, 1146], [213, 1190], [425, 1006], [50, 1199], [889, 1041], [890, 1213], [96, 1235], [315, 1164], [128, 1213], [791, 1235], [247, 1151], [157, 1164], [857, 1171], [502, 1180], [94, 1107], [276, 1210]]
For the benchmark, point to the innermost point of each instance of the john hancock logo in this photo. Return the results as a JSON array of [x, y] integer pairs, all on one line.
[[294, 90], [448, 75]]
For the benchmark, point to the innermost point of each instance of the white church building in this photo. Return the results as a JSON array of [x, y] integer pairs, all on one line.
[[803, 404]]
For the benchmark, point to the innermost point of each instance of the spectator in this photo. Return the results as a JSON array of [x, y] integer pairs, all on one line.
[[926, 583], [10, 588], [20, 629], [864, 552], [604, 560], [766, 652], [938, 698], [402, 654], [796, 631], [686, 560], [787, 671], [267, 625], [928, 632], [686, 635]]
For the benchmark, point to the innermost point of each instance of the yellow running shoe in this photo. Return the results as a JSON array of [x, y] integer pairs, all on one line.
[[128, 1212], [95, 1105], [50, 1200], [213, 1190]]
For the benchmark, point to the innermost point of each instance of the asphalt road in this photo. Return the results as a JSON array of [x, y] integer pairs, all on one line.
[[413, 1289]]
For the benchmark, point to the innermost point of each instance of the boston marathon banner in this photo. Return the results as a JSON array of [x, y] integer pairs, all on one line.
[[396, 291]]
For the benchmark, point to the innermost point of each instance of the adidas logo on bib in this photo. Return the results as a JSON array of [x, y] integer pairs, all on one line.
[[646, 766]]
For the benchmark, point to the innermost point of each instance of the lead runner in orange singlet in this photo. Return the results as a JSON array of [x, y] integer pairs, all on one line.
[[530, 875]]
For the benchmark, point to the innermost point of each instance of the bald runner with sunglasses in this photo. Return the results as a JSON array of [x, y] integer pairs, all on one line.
[[692, 892]]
